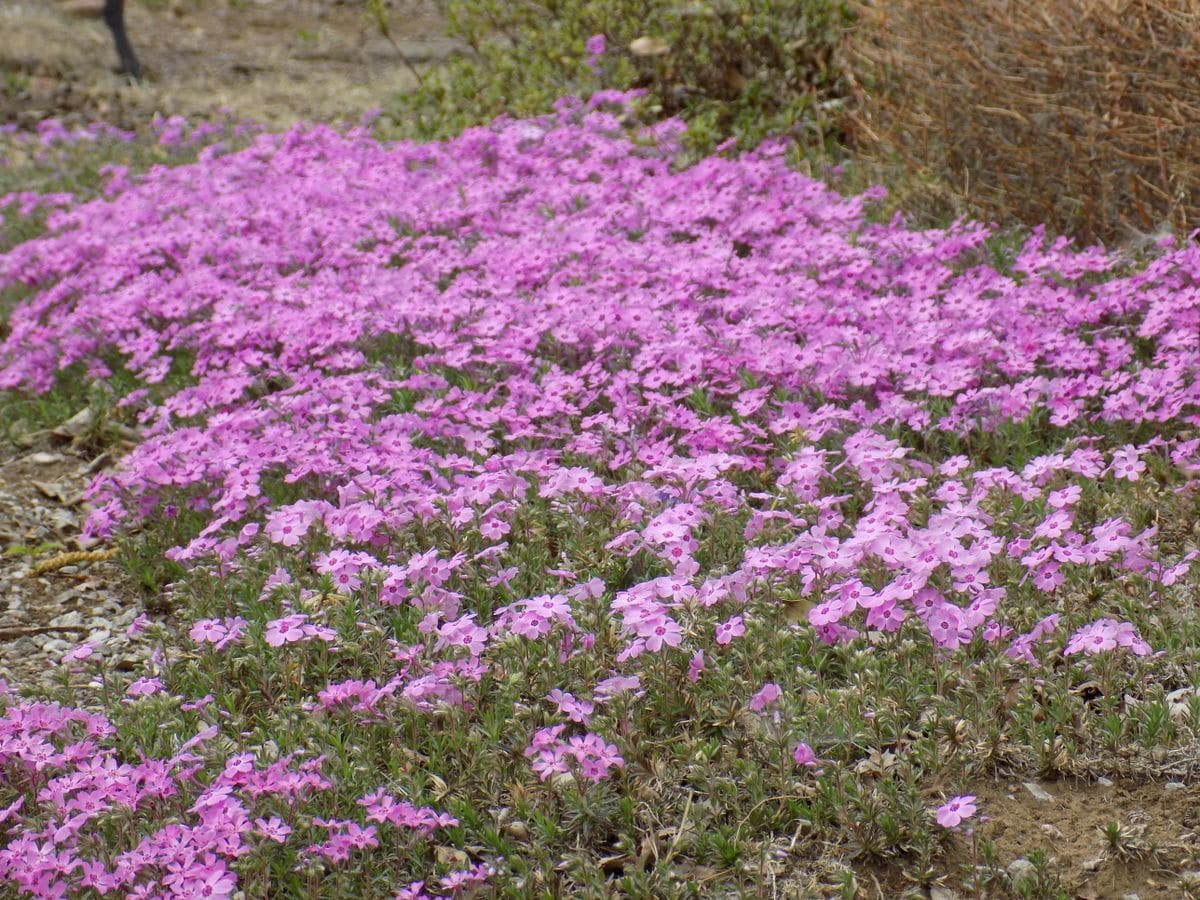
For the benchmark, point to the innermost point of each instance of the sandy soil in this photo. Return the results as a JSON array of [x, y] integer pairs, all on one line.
[[274, 61]]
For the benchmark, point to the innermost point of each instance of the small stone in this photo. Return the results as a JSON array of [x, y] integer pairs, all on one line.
[[1104, 782], [1092, 865], [45, 459], [1020, 868], [72, 618], [1174, 786], [941, 893], [53, 646], [1038, 792], [1053, 831], [1130, 897]]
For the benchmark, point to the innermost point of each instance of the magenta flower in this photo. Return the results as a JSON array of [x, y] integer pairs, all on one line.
[[144, 687], [766, 696], [273, 829], [804, 755], [727, 631]]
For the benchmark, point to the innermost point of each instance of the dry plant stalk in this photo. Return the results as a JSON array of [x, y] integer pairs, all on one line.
[[1081, 114], [71, 558]]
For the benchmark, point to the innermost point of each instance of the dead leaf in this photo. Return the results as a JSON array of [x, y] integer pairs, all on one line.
[[649, 46], [796, 612], [51, 489], [451, 856]]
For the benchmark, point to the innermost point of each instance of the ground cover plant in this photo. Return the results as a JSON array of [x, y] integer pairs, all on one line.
[[740, 69], [541, 518]]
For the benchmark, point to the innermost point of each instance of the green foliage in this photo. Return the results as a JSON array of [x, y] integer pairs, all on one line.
[[739, 69]]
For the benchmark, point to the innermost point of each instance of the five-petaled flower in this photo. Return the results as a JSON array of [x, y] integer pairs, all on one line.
[[956, 811]]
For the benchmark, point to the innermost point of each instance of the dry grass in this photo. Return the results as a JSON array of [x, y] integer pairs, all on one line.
[[1081, 114]]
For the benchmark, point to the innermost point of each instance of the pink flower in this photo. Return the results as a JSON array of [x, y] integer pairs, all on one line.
[[617, 684], [767, 695], [207, 631], [218, 632], [80, 653], [956, 811], [144, 687], [1106, 634], [696, 666], [804, 755], [1127, 463], [273, 829], [576, 710], [663, 633], [727, 631]]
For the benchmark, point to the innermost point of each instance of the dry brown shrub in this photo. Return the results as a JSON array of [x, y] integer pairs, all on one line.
[[1082, 114]]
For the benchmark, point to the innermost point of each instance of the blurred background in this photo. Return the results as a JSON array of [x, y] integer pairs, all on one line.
[[1082, 115]]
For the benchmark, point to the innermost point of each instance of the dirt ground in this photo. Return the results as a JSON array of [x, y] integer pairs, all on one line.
[[49, 603], [273, 61], [1159, 856]]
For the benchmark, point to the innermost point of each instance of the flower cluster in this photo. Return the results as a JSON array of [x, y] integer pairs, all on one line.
[[550, 755], [413, 377]]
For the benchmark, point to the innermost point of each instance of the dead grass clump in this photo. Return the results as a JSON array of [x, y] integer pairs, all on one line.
[[1082, 114]]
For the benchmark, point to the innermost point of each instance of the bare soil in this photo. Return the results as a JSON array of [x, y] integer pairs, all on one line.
[[46, 607], [272, 61], [1160, 820]]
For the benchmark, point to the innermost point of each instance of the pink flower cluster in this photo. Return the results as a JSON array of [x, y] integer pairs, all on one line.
[[445, 352], [1106, 634], [550, 755], [61, 780], [845, 329]]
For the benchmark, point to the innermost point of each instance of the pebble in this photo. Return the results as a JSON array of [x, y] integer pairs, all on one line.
[[1038, 792], [1053, 831], [1174, 786], [1104, 782], [1092, 865], [1020, 868], [54, 647]]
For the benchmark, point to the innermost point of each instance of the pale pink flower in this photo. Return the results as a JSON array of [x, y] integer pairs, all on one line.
[[956, 811]]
